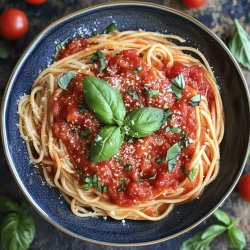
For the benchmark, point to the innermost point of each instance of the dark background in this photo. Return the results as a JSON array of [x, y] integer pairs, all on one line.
[[216, 14]]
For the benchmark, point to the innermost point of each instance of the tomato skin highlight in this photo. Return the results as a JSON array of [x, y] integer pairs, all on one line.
[[36, 2], [244, 187], [193, 4], [14, 24]]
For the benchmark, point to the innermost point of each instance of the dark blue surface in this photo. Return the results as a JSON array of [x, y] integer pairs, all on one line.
[[48, 199]]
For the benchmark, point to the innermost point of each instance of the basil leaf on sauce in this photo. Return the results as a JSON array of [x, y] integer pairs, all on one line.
[[139, 68], [239, 45], [104, 100], [151, 92], [174, 130], [123, 185], [106, 144], [172, 155], [128, 167], [167, 115], [65, 79], [99, 56], [143, 121], [84, 133], [191, 175], [153, 177], [184, 142], [195, 100], [60, 46], [178, 84], [112, 27], [81, 109], [159, 160]]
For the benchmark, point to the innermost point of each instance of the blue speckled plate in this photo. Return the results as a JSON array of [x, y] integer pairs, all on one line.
[[129, 16]]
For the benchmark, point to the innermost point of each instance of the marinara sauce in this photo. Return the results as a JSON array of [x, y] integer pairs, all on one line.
[[140, 163]]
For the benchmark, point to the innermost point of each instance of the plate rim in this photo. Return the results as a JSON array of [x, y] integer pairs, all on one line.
[[12, 79]]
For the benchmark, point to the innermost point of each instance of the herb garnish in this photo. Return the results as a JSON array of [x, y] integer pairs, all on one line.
[[191, 175], [134, 94], [80, 108], [184, 142], [202, 240], [60, 46], [112, 27], [65, 79], [172, 155], [151, 92], [153, 177], [159, 160], [178, 84], [195, 100], [240, 45], [128, 167], [84, 133], [93, 181], [99, 56], [167, 115], [123, 185], [136, 70]]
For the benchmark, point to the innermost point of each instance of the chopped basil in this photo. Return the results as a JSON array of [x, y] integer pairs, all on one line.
[[134, 94], [104, 189], [60, 46], [148, 157], [87, 186], [88, 179], [81, 108], [64, 119], [92, 181], [65, 79], [178, 84], [95, 180], [112, 27], [172, 155], [84, 133], [174, 130], [72, 131], [184, 142], [128, 139], [117, 159], [128, 167], [153, 177], [99, 56], [195, 100], [136, 70], [151, 92], [159, 160], [123, 185], [167, 115], [190, 174]]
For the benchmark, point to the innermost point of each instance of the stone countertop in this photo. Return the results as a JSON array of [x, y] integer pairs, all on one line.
[[216, 14]]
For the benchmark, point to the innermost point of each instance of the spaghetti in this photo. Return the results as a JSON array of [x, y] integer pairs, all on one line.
[[136, 183]]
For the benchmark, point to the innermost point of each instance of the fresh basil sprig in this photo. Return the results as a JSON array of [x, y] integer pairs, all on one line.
[[178, 84], [106, 144], [18, 227], [104, 100], [203, 239], [65, 79], [143, 121], [99, 56], [239, 45]]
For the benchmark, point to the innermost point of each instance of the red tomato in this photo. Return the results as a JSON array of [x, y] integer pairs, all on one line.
[[36, 2], [14, 24], [244, 187], [193, 4]]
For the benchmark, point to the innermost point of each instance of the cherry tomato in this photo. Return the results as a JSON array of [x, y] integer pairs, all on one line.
[[36, 2], [244, 187], [14, 24], [193, 4]]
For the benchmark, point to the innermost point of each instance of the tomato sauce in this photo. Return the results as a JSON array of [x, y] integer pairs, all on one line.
[[147, 175]]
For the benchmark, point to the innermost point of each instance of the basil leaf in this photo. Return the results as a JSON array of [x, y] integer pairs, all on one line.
[[191, 175], [123, 185], [99, 56], [60, 46], [236, 238], [213, 231], [128, 167], [184, 142], [104, 100], [139, 68], [222, 217], [143, 121], [65, 79], [159, 160], [106, 144], [111, 28], [17, 231], [153, 177], [151, 92], [195, 100], [104, 189], [172, 155], [178, 84], [174, 130], [84, 133], [167, 115], [7, 205], [239, 45], [81, 109]]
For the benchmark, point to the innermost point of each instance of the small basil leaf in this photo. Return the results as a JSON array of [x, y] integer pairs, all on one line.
[[184, 142], [84, 133], [104, 100], [213, 231], [123, 185], [7, 205], [178, 84], [222, 217], [106, 144], [99, 56], [81, 109], [195, 100], [191, 175], [112, 27], [139, 68], [128, 167], [239, 45], [65, 79], [167, 115], [151, 92], [60, 46], [153, 177], [172, 155], [143, 121], [18, 231], [236, 238]]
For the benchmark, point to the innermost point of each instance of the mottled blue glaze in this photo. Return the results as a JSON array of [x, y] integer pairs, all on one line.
[[47, 200]]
